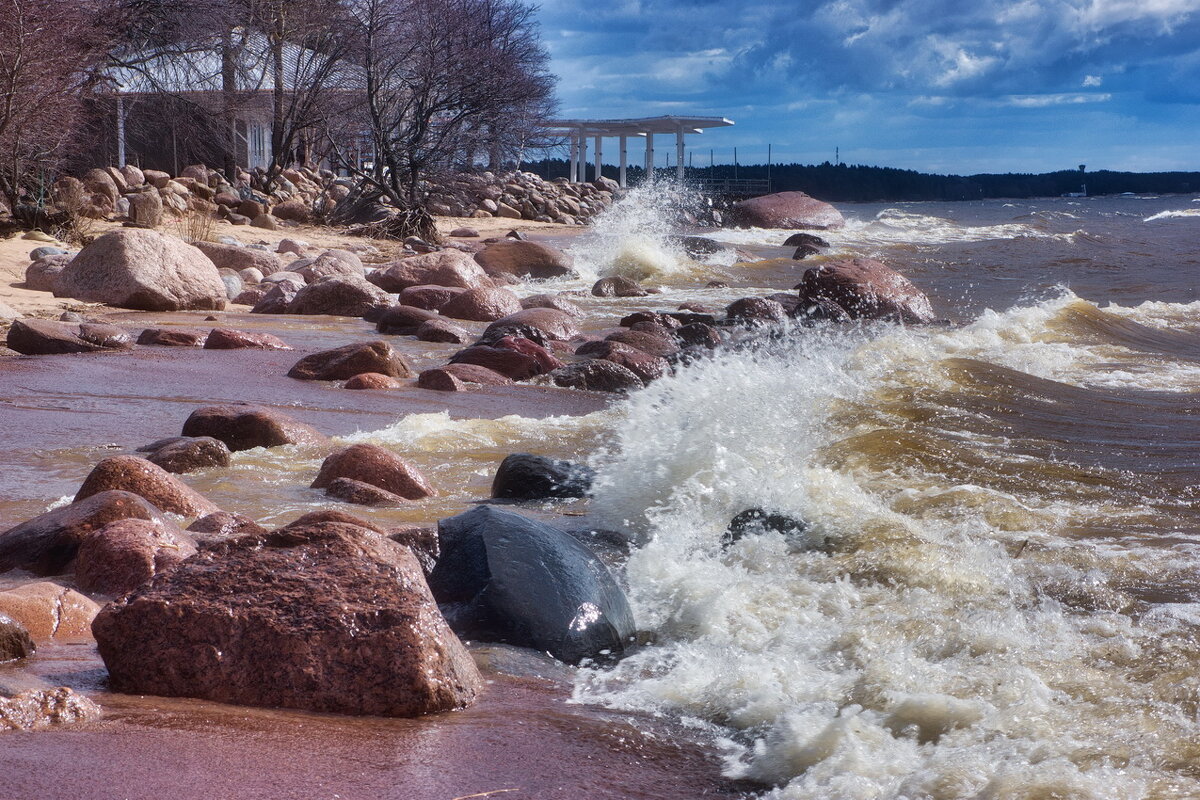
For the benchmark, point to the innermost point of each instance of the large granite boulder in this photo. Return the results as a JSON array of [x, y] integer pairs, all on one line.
[[790, 210], [597, 375], [538, 324], [230, 339], [339, 296], [124, 554], [47, 544], [143, 269], [403, 320], [866, 289], [504, 577], [42, 274], [428, 297], [482, 305], [322, 616], [244, 426], [443, 268], [141, 477], [524, 260], [376, 466], [40, 337], [231, 256], [343, 363]]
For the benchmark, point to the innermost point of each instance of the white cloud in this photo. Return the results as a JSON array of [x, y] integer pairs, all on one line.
[[1046, 100], [1091, 81]]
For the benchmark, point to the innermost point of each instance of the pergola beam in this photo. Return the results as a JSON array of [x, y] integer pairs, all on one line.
[[580, 129]]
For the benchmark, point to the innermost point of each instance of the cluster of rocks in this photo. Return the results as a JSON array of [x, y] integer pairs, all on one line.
[[328, 613], [519, 195], [302, 194]]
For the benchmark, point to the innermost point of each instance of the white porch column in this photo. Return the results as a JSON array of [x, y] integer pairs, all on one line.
[[574, 159], [582, 159], [599, 156], [120, 130], [624, 161], [679, 154], [650, 156]]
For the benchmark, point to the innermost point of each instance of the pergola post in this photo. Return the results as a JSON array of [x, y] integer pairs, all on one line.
[[582, 158], [120, 130], [624, 161], [679, 154], [571, 171], [650, 156], [599, 156]]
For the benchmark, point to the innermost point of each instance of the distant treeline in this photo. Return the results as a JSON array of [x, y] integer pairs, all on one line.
[[844, 182]]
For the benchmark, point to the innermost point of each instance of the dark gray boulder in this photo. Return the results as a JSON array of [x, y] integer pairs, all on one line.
[[524, 476], [507, 578]]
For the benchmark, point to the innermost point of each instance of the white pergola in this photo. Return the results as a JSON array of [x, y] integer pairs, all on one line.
[[580, 129]]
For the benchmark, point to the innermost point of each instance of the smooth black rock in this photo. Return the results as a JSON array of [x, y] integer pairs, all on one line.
[[507, 578], [524, 476]]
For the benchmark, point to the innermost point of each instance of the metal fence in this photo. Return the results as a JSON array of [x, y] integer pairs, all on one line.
[[734, 186]]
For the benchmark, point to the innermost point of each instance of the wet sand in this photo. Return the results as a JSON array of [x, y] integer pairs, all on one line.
[[520, 740]]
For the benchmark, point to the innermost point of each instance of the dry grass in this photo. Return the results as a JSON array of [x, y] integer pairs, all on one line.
[[72, 225], [196, 225]]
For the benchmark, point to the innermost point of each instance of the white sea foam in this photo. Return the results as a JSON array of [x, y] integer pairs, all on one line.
[[1181, 214], [921, 638]]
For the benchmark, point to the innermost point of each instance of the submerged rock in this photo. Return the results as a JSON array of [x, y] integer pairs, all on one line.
[[524, 476], [181, 454], [343, 363], [758, 521], [504, 577], [597, 375], [15, 641], [524, 260], [376, 466], [323, 616]]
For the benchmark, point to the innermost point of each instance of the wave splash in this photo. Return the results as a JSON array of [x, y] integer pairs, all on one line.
[[937, 631]]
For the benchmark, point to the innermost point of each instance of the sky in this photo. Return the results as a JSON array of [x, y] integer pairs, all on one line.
[[942, 86]]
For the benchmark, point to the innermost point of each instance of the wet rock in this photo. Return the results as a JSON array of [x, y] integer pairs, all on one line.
[[229, 339], [222, 525], [806, 240], [440, 330], [109, 337], [596, 375], [443, 268], [524, 476], [716, 285], [422, 541], [795, 210], [810, 312], [15, 641], [46, 544], [514, 357], [124, 554], [554, 301], [325, 617], [143, 269], [49, 611], [343, 363], [699, 335], [482, 305], [524, 259], [430, 298], [139, 476], [698, 246], [39, 708], [377, 466], [363, 494], [465, 233], [866, 289], [550, 323], [37, 337], [173, 337], [756, 309], [307, 521], [705, 317], [439, 380], [184, 454], [403, 320], [340, 296], [645, 366], [617, 286], [663, 346], [504, 577], [639, 317], [372, 380], [791, 303], [757, 521], [242, 427]]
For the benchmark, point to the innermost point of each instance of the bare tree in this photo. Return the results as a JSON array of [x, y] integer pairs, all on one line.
[[443, 80], [48, 54]]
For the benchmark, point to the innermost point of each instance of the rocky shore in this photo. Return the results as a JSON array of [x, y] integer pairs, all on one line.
[[175, 371]]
